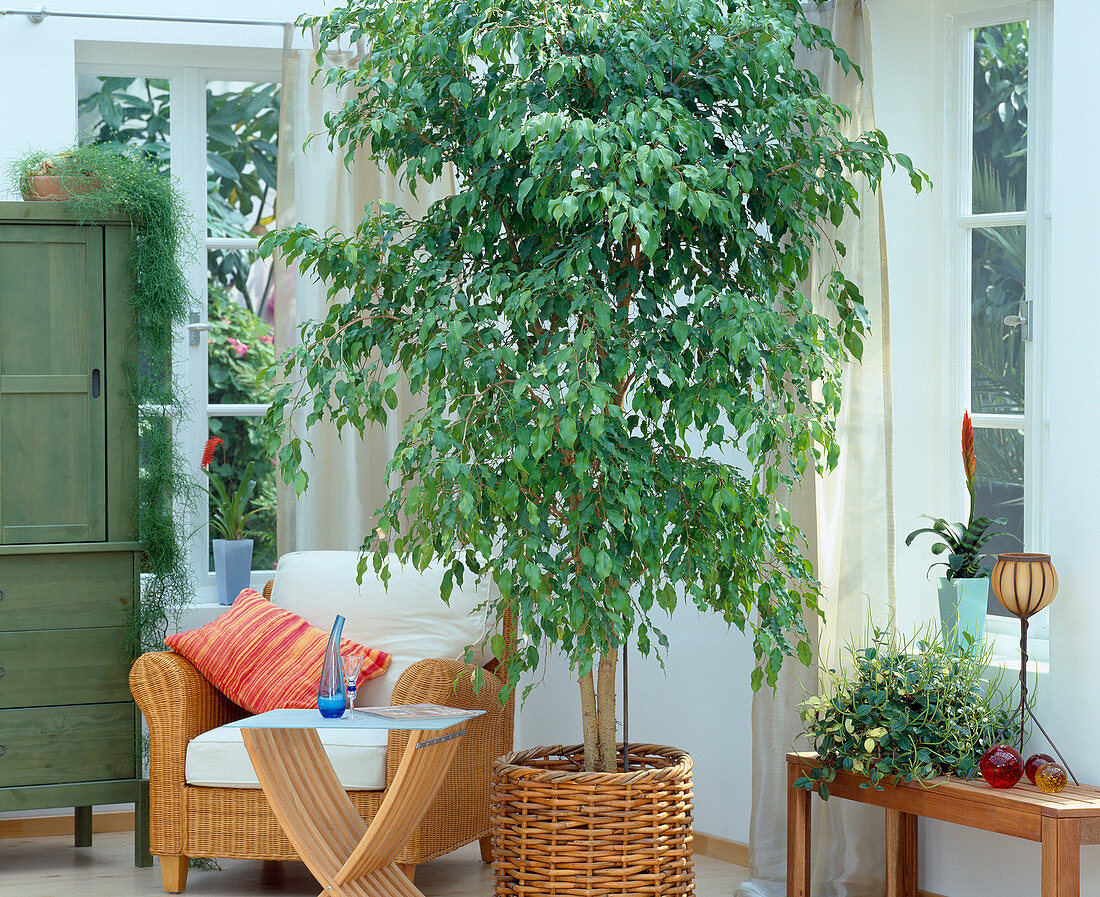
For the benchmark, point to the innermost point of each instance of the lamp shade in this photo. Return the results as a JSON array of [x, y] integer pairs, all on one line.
[[1024, 583]]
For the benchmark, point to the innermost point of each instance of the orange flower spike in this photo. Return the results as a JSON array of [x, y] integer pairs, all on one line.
[[970, 460], [208, 451]]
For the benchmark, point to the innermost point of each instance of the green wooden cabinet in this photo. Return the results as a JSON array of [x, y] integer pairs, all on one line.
[[69, 574]]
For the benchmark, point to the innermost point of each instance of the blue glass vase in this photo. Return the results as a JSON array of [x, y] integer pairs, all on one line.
[[332, 699]]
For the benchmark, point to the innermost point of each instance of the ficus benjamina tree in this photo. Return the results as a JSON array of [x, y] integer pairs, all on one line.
[[609, 308]]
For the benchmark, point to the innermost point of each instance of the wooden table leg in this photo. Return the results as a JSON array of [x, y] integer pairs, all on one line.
[[347, 857], [901, 854], [1061, 857], [798, 836]]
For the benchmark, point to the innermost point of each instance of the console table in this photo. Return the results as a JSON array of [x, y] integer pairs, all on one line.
[[348, 858], [1060, 822]]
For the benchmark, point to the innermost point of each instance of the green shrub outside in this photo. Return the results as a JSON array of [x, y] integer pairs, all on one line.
[[240, 344]]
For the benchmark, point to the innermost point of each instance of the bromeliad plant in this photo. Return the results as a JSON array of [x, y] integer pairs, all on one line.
[[229, 513], [610, 305], [909, 709], [963, 543]]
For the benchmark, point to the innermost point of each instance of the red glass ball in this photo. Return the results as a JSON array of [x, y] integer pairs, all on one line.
[[1033, 764], [1050, 778], [1002, 766]]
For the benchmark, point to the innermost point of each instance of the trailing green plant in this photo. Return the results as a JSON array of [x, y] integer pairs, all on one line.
[[963, 543], [127, 181], [907, 710], [613, 298]]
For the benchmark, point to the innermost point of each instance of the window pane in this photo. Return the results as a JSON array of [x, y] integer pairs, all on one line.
[[1000, 491], [997, 351], [240, 341], [1000, 118], [242, 127], [242, 445], [133, 111]]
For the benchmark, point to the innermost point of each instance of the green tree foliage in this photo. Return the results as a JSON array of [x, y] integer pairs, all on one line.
[[610, 305]]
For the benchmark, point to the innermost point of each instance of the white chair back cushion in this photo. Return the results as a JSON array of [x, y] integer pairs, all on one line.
[[409, 621]]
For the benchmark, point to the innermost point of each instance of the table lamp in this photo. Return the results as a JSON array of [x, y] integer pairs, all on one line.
[[1025, 583]]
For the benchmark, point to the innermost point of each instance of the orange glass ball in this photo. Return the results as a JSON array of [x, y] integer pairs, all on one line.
[[1050, 778]]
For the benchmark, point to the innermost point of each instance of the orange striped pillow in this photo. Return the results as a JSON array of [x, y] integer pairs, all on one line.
[[263, 657]]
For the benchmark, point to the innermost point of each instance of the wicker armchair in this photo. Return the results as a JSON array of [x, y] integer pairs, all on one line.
[[188, 821]]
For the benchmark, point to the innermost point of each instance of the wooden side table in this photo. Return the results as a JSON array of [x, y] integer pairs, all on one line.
[[348, 858], [1061, 822]]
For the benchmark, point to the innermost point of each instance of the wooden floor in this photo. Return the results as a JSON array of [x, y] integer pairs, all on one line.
[[52, 867]]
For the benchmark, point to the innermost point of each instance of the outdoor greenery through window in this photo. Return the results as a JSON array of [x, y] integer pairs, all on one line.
[[242, 120], [998, 237]]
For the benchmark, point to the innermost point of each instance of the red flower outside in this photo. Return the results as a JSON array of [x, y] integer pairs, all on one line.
[[208, 451]]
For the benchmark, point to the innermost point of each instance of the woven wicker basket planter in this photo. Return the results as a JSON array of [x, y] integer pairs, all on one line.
[[560, 831]]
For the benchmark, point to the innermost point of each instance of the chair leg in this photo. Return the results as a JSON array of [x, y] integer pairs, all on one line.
[[173, 872], [486, 845], [408, 869]]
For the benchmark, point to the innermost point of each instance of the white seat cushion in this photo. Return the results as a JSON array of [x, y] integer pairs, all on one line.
[[218, 759], [409, 621]]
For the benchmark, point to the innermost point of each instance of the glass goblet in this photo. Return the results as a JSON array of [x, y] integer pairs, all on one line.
[[352, 663]]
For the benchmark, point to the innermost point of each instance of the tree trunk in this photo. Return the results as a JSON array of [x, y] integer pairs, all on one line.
[[598, 715], [588, 720], [605, 712]]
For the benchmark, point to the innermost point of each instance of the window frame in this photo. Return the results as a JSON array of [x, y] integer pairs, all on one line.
[[959, 224], [188, 70]]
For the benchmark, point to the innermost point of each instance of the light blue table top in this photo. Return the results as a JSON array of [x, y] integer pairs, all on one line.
[[312, 719]]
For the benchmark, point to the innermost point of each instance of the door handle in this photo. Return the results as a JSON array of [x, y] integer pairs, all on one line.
[[95, 383], [1021, 319], [195, 328]]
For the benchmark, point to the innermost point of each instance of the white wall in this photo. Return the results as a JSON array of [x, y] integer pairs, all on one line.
[[700, 702], [910, 46], [37, 62]]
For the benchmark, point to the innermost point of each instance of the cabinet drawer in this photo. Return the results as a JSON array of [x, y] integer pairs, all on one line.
[[65, 591], [51, 745], [63, 666]]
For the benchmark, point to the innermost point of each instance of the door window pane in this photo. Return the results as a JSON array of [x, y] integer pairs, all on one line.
[[131, 111], [997, 350], [243, 445], [242, 128], [1000, 491], [1000, 118], [240, 341]]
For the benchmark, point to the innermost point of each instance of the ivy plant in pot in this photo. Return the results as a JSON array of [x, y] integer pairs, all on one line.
[[611, 300], [964, 588], [904, 710]]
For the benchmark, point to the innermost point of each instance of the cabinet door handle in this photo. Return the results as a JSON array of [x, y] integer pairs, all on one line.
[[1, 594], [1, 672], [2, 750], [95, 383]]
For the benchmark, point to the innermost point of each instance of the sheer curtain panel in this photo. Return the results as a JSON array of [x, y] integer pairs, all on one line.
[[849, 516]]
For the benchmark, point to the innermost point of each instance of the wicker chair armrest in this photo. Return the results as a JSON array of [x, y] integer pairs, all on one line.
[[449, 682], [178, 703]]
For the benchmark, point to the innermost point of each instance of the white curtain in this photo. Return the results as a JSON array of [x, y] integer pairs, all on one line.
[[849, 516], [347, 475]]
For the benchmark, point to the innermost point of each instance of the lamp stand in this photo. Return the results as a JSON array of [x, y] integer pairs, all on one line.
[[1025, 709]]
